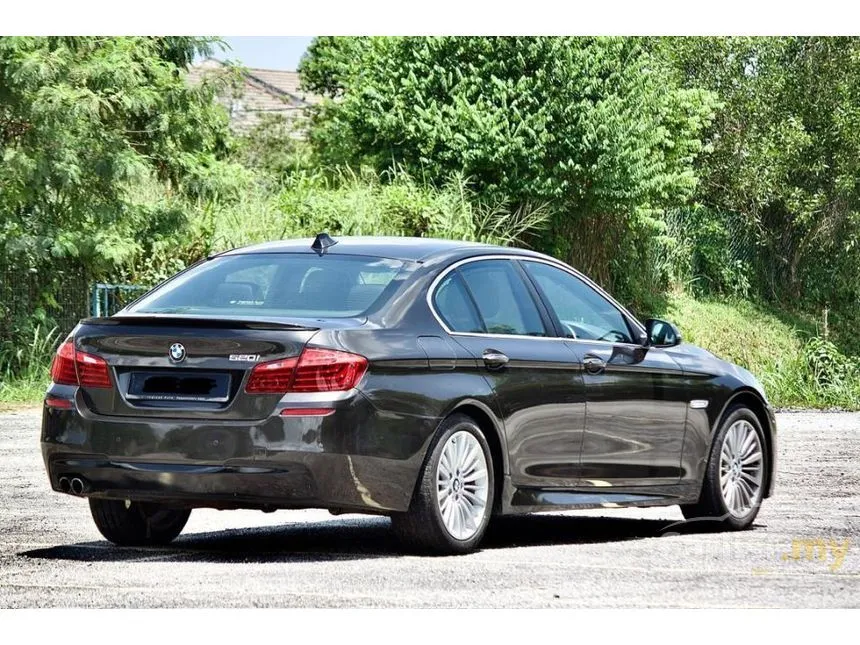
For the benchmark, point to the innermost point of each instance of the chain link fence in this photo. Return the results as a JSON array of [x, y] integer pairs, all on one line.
[[721, 253], [61, 299]]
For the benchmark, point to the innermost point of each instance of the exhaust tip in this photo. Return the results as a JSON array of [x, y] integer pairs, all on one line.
[[64, 484], [78, 486]]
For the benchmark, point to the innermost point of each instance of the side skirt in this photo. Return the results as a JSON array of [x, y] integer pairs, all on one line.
[[516, 501]]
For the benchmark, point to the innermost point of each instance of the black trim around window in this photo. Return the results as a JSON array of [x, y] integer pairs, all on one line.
[[546, 323], [556, 322]]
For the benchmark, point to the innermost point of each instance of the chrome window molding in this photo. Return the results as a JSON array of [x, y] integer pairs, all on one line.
[[431, 292]]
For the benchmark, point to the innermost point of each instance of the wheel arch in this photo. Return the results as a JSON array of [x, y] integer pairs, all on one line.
[[491, 427], [751, 399]]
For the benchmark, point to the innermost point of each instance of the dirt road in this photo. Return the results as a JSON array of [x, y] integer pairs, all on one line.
[[803, 551]]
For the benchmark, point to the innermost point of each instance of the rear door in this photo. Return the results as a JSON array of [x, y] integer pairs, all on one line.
[[490, 309], [636, 398]]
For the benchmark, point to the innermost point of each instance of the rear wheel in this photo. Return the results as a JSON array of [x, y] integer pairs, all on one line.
[[452, 504], [137, 523], [734, 481]]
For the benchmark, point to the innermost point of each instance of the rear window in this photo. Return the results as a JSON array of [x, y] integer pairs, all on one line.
[[277, 284]]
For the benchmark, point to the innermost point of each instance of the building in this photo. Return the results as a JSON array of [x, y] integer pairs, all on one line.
[[258, 94]]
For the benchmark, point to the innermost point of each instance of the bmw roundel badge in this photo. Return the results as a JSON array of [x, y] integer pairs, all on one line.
[[177, 352]]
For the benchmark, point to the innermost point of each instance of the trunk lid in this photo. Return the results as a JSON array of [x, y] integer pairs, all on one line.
[[186, 367]]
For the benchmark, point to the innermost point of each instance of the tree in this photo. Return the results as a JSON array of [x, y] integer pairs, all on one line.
[[590, 125], [785, 154], [83, 122]]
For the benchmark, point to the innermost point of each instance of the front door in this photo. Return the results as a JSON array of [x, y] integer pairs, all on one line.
[[491, 309], [636, 399]]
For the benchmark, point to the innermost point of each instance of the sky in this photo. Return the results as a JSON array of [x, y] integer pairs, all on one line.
[[266, 52]]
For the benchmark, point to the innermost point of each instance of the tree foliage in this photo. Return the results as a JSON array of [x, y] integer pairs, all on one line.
[[586, 124], [785, 154], [724, 166], [83, 121]]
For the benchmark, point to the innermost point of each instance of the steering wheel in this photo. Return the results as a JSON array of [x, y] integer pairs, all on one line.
[[571, 330], [620, 337]]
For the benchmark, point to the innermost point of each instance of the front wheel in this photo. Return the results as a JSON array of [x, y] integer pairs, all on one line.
[[735, 478], [452, 504], [137, 523]]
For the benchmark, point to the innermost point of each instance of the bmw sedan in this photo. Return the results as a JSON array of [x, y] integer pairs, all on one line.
[[437, 382]]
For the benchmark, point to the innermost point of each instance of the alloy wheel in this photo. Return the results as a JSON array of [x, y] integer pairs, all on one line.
[[741, 469], [461, 485]]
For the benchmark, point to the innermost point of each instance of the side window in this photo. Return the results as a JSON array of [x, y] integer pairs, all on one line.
[[582, 311], [454, 305], [503, 300]]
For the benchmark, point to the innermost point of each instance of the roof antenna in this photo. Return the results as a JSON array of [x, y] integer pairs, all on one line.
[[322, 242]]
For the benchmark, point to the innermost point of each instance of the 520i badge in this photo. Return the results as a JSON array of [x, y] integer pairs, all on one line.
[[250, 358]]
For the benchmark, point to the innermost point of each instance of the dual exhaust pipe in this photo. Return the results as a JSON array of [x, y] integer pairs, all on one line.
[[73, 485]]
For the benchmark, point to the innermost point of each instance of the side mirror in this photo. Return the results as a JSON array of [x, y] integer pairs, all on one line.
[[660, 333]]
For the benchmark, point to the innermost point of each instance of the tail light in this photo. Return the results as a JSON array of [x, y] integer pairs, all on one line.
[[63, 367], [316, 370], [274, 376], [326, 370], [71, 367]]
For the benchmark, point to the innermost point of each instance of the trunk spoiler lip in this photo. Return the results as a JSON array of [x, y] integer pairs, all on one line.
[[232, 322]]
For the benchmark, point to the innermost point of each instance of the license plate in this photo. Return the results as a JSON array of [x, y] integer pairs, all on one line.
[[181, 386]]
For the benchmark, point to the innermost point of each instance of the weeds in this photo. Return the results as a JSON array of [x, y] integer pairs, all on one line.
[[363, 204], [24, 369], [795, 371]]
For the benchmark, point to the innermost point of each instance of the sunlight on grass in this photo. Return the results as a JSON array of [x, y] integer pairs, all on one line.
[[791, 364]]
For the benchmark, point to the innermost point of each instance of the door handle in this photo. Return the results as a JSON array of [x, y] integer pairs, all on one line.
[[593, 364], [494, 359]]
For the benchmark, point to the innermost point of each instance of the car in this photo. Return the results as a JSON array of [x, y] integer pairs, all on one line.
[[437, 382]]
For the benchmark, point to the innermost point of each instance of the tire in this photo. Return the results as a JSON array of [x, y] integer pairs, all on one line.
[[426, 527], [733, 511], [138, 523]]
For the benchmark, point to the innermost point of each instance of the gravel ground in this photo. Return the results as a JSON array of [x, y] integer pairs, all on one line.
[[52, 555]]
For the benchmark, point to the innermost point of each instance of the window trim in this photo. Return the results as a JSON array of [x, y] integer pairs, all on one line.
[[553, 263], [470, 301], [556, 321]]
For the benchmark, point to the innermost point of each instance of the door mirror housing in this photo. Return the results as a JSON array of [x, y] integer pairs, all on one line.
[[661, 333]]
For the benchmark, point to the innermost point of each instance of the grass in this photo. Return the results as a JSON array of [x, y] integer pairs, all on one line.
[[24, 367], [19, 392], [365, 205], [738, 332], [797, 368]]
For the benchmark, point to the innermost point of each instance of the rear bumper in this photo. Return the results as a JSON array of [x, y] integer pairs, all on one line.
[[354, 459], [321, 481]]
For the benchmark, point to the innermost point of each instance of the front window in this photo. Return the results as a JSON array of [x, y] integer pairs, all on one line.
[[582, 311], [289, 285]]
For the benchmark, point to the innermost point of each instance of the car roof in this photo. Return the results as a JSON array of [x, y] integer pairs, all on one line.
[[413, 249]]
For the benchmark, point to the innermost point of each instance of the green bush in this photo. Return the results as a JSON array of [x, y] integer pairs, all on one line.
[[795, 372], [595, 126], [367, 204]]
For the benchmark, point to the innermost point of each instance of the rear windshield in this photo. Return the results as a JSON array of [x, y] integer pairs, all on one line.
[[277, 284]]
